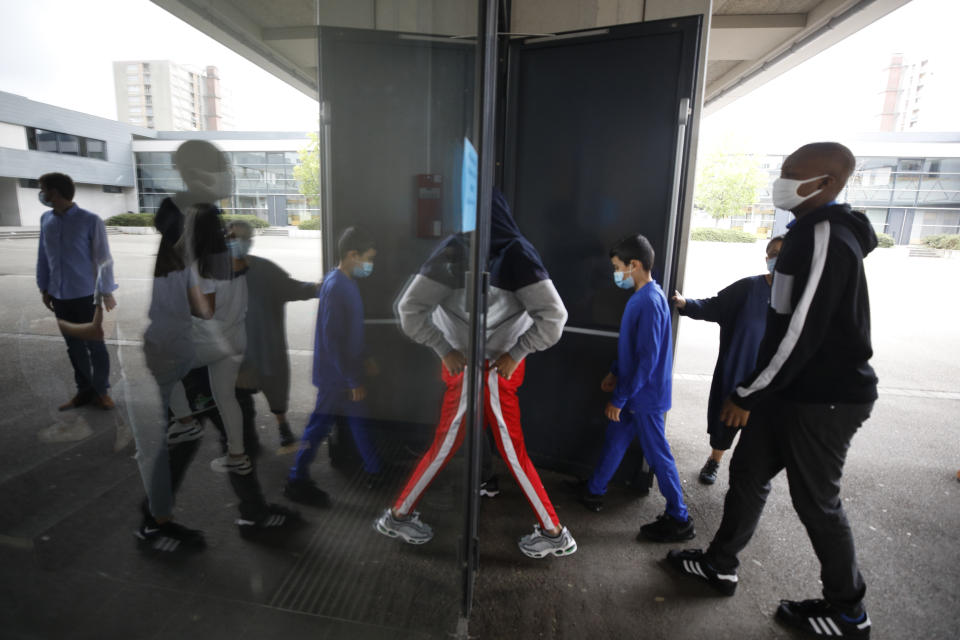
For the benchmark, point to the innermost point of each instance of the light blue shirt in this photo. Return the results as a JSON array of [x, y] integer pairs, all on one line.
[[73, 248]]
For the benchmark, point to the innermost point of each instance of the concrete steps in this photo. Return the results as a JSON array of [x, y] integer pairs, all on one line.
[[925, 252], [28, 233]]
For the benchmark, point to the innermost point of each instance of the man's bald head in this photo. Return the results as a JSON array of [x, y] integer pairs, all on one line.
[[823, 168], [831, 157]]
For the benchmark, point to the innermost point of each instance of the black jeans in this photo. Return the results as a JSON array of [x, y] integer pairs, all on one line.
[[810, 441], [90, 360]]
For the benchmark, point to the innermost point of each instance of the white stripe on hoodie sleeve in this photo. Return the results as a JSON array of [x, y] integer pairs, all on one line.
[[821, 242]]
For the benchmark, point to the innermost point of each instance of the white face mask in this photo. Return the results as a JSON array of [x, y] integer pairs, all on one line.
[[785, 194], [212, 185]]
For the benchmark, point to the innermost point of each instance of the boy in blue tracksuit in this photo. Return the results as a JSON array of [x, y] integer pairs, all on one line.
[[640, 380], [338, 363]]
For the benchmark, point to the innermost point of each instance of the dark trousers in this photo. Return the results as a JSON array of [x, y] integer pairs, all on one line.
[[250, 499], [330, 406], [90, 360], [810, 441]]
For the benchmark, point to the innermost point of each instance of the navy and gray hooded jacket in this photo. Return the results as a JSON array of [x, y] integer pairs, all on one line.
[[524, 310], [817, 348]]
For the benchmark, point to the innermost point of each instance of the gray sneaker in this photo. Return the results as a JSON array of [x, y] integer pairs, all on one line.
[[538, 544], [411, 529]]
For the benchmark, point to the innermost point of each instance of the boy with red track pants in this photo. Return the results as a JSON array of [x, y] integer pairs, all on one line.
[[524, 315]]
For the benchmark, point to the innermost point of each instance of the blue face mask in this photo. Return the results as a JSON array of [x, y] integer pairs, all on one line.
[[771, 264], [363, 270], [43, 200], [622, 280], [238, 248]]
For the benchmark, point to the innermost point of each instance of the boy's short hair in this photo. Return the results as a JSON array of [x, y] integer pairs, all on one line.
[[772, 240], [60, 182], [354, 239], [240, 228], [634, 247]]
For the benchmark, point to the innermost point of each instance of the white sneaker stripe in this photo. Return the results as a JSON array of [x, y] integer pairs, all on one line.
[[686, 567], [833, 625], [864, 624], [823, 624], [699, 569], [813, 623]]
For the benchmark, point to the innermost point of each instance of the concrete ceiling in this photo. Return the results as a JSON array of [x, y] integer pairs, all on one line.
[[750, 41]]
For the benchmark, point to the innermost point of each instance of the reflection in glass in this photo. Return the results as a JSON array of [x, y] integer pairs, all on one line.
[[524, 314]]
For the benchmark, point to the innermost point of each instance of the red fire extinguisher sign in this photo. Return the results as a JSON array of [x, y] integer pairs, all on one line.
[[429, 198]]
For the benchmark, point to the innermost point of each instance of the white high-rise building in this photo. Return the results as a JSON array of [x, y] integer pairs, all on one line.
[[159, 94], [919, 95]]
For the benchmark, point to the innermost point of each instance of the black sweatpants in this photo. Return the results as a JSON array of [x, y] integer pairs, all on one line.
[[810, 441]]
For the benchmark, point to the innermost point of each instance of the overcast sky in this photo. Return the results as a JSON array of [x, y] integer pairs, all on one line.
[[60, 52], [836, 94]]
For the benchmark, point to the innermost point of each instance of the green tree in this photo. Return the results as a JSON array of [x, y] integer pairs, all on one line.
[[307, 172], [727, 183]]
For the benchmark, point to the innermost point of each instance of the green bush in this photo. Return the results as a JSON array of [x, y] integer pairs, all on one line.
[[130, 220], [253, 221], [885, 240], [943, 241], [313, 224], [706, 234]]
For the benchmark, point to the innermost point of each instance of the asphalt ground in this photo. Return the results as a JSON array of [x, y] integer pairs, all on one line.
[[68, 491]]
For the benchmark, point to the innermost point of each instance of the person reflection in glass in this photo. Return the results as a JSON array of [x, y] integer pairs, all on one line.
[[338, 366], [266, 363], [524, 315]]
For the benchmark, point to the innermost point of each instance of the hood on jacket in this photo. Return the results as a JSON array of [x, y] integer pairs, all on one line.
[[856, 221], [513, 262]]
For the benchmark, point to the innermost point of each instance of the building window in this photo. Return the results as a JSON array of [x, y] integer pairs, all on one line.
[[29, 183], [95, 148], [109, 188], [65, 143]]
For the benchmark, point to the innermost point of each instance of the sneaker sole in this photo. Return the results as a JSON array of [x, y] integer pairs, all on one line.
[[644, 537], [707, 480], [166, 544], [559, 553], [391, 533]]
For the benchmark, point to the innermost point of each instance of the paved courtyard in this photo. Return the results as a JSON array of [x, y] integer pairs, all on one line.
[[69, 487]]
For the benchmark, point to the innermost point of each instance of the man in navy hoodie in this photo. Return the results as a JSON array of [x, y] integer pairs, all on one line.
[[811, 390]]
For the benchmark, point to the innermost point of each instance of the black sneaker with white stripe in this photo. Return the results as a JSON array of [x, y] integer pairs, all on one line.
[[691, 562], [169, 537], [275, 517], [819, 618]]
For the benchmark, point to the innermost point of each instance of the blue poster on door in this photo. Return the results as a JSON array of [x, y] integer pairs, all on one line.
[[468, 188]]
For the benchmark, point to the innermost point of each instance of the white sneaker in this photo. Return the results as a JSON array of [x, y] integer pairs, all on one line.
[[411, 529], [178, 432], [240, 466], [539, 544]]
